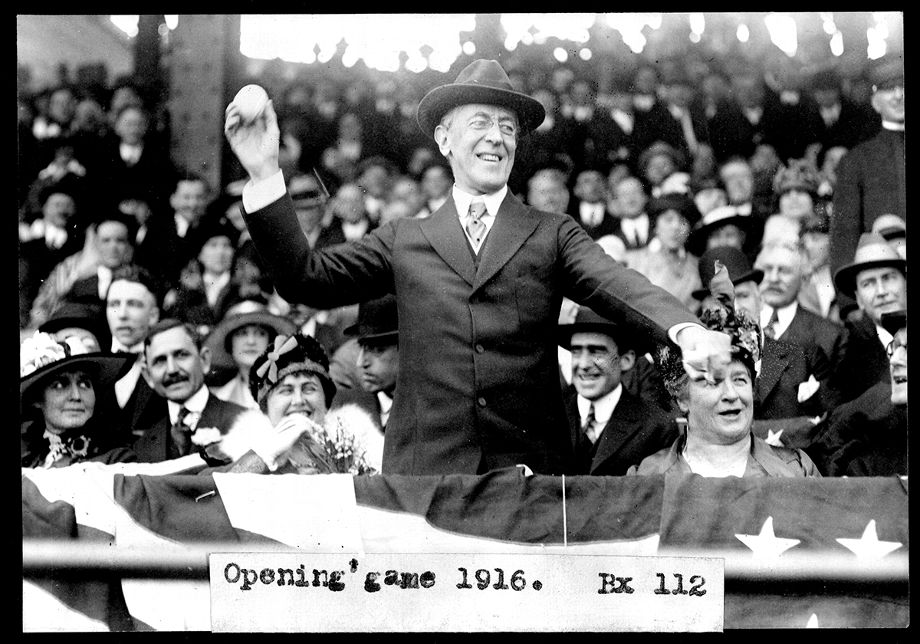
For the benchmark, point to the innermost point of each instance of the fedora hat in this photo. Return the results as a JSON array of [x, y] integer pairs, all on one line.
[[735, 262], [42, 357], [377, 321], [243, 314], [587, 321], [482, 81], [712, 220], [81, 315], [872, 252]]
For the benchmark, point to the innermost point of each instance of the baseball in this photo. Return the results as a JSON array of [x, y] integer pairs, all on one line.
[[250, 100]]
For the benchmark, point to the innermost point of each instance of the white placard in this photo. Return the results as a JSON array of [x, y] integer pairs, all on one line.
[[303, 592]]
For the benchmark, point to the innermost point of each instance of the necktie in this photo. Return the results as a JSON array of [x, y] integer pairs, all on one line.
[[475, 227], [589, 428], [181, 433], [770, 330]]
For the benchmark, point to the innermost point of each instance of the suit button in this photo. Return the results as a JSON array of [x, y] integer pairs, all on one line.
[[479, 348], [481, 401]]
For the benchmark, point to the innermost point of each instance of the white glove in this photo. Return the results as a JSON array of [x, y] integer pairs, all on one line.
[[273, 447]]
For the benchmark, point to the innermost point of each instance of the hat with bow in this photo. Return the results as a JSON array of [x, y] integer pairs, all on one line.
[[286, 355], [482, 81]]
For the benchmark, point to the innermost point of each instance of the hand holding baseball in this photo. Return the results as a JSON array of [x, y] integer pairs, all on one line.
[[251, 127]]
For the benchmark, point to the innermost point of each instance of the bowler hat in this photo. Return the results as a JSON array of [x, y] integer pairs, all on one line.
[[377, 321], [713, 220], [894, 321], [677, 201], [587, 321], [871, 252], [735, 262], [482, 81], [243, 314]]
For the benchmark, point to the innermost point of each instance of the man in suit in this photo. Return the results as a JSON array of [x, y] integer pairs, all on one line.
[[870, 178], [589, 207], [175, 364], [628, 204], [377, 362], [782, 318], [611, 429], [478, 287], [132, 308], [877, 279], [114, 235]]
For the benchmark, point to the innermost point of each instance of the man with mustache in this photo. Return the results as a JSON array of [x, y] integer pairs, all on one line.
[[175, 364], [478, 287]]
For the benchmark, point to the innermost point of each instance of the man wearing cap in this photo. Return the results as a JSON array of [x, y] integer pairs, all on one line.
[[877, 279], [870, 178], [893, 229], [478, 287], [377, 362], [868, 436], [611, 429]]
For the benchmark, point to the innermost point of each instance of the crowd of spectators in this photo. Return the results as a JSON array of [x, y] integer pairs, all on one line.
[[668, 170]]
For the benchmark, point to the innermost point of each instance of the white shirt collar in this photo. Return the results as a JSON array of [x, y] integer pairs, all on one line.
[[883, 336], [463, 200], [784, 317], [104, 275], [182, 225], [354, 231], [894, 127], [603, 406], [213, 287], [195, 405], [636, 228], [386, 402], [118, 346], [592, 214]]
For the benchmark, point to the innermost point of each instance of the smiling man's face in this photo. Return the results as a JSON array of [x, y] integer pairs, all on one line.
[[479, 141]]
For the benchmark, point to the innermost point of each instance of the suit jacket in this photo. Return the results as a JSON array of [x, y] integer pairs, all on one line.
[[142, 409], [782, 369], [479, 375], [635, 430], [865, 361], [609, 224], [824, 344], [153, 445], [870, 183]]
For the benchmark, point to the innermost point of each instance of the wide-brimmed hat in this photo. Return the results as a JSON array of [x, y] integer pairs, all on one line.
[[82, 316], [735, 262], [713, 220], [890, 227], [872, 252], [677, 201], [482, 81], [377, 321], [243, 314], [211, 227], [41, 357], [587, 321]]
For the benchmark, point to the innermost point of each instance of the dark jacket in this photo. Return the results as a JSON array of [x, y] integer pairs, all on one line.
[[100, 444], [865, 361], [479, 375], [776, 390], [635, 430], [153, 446], [824, 344], [142, 409]]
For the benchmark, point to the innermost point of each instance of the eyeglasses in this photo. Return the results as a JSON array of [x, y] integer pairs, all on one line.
[[505, 126], [893, 346]]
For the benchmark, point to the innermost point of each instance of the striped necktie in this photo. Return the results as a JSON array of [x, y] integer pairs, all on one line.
[[475, 226], [589, 427]]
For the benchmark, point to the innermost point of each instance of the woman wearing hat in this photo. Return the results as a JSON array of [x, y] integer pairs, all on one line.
[[292, 431], [241, 337], [206, 280], [796, 189], [718, 440], [58, 385], [665, 261]]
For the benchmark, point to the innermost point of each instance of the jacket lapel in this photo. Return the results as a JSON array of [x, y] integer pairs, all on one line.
[[513, 225], [445, 235], [775, 361], [623, 425]]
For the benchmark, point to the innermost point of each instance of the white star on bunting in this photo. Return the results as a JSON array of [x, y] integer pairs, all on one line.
[[767, 544], [773, 438], [868, 546], [813, 621]]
